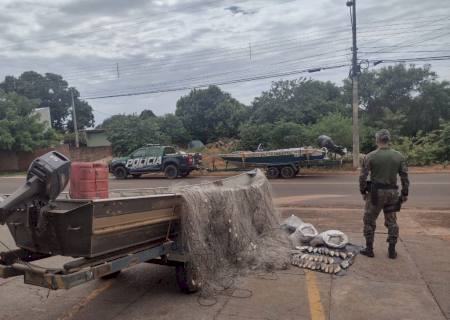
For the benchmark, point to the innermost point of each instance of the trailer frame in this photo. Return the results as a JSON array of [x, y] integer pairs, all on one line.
[[19, 262]]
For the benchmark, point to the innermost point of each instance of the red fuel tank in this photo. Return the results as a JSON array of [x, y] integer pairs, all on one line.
[[88, 180]]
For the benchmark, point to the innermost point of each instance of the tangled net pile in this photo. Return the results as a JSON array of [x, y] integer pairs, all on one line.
[[231, 230]]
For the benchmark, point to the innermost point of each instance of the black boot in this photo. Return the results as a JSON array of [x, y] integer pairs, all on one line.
[[391, 251], [368, 250]]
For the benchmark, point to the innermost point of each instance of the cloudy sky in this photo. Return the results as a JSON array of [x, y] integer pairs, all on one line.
[[164, 47]]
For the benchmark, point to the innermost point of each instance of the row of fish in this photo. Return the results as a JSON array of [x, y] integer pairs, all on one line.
[[326, 251], [316, 265], [314, 258]]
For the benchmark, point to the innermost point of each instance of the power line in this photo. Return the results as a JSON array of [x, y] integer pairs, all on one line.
[[200, 79], [233, 81], [241, 50], [411, 59], [190, 66]]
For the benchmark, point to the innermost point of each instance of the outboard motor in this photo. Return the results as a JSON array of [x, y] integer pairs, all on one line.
[[326, 142], [46, 179]]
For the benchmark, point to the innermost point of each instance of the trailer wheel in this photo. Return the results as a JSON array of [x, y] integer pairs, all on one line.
[[287, 172], [272, 172], [185, 280]]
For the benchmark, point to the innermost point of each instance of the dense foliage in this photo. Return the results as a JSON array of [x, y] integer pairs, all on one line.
[[129, 132], [20, 128], [52, 91], [300, 101], [209, 114]]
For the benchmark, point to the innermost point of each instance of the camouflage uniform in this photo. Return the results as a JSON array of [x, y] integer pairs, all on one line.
[[383, 165]]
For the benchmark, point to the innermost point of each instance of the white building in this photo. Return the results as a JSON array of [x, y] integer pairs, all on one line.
[[44, 116]]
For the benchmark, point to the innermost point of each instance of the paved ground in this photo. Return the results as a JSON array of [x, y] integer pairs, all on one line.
[[415, 286]]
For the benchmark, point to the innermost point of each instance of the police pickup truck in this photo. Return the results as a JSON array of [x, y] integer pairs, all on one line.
[[155, 158]]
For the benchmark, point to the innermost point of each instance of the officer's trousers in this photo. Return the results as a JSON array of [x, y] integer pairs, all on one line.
[[386, 197]]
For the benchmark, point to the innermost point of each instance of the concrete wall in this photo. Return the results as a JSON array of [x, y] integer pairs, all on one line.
[[8, 161], [88, 154], [20, 161]]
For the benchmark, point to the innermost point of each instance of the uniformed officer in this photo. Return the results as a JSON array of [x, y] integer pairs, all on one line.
[[381, 192]]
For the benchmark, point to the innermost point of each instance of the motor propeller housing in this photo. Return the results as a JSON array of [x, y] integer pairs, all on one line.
[[47, 177], [326, 142]]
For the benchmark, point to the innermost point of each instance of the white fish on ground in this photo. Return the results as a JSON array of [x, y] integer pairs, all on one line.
[[345, 264], [323, 266], [304, 256], [343, 255], [332, 253], [315, 250], [337, 268]]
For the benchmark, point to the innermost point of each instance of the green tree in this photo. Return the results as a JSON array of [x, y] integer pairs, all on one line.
[[288, 135], [335, 125], [300, 101], [20, 127], [129, 132], [210, 114], [172, 127], [147, 114], [404, 99], [52, 91], [444, 142], [251, 135]]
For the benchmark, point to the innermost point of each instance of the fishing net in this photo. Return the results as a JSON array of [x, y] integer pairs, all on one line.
[[230, 229]]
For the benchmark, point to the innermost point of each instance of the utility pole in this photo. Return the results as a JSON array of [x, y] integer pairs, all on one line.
[[355, 73], [74, 116]]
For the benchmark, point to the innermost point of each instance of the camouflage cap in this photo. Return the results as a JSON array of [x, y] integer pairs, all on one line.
[[383, 136]]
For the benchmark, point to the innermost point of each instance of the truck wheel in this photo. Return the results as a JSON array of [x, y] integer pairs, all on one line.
[[272, 172], [120, 172], [287, 172], [185, 281], [171, 171]]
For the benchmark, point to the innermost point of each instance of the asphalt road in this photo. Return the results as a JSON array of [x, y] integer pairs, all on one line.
[[415, 286], [427, 190]]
